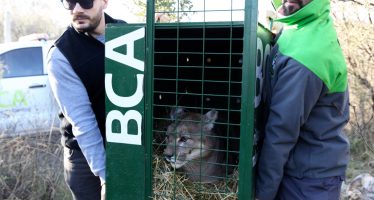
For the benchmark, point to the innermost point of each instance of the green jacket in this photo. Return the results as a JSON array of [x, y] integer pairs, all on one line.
[[306, 99]]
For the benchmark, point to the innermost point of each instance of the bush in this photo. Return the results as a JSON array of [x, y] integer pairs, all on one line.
[[356, 37], [31, 167]]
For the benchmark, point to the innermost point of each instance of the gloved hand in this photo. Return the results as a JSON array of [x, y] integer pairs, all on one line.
[[275, 26]]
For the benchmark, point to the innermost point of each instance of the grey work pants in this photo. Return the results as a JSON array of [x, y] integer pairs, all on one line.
[[310, 189], [82, 183]]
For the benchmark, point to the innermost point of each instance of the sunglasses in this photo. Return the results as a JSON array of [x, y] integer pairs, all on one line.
[[70, 4]]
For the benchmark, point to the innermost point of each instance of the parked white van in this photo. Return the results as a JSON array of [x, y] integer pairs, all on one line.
[[26, 101]]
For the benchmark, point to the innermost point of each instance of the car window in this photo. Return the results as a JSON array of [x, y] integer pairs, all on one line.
[[22, 62]]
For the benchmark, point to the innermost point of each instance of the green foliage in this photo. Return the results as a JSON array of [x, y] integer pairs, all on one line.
[[31, 16], [171, 7]]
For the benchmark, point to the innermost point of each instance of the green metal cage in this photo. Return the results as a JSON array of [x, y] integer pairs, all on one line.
[[154, 69]]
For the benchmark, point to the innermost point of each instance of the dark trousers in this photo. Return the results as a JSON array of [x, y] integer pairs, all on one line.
[[310, 189], [82, 183]]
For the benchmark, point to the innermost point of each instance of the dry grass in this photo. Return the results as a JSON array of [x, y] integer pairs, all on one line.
[[357, 41], [170, 184], [31, 167]]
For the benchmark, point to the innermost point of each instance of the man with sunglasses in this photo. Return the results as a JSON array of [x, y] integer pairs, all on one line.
[[76, 74], [304, 154]]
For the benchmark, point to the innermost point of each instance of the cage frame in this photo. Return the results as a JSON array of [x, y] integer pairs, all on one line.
[[246, 173], [247, 98]]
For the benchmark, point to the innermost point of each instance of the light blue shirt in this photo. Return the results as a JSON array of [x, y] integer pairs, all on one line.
[[73, 100]]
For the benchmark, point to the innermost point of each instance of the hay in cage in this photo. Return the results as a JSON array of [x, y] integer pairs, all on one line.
[[167, 184]]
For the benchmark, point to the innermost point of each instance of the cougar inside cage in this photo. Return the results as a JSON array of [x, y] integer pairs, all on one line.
[[197, 70], [181, 100]]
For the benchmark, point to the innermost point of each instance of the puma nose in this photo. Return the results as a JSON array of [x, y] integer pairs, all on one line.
[[168, 156]]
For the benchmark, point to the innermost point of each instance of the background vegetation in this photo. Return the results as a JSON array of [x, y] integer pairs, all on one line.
[[170, 6], [32, 16], [31, 167], [354, 22]]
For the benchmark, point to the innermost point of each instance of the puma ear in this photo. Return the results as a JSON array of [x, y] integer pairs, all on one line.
[[209, 119], [175, 113]]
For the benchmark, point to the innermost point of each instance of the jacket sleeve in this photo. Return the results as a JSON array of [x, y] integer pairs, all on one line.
[[294, 92], [74, 103]]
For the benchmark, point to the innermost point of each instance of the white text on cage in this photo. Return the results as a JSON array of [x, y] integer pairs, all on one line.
[[130, 102]]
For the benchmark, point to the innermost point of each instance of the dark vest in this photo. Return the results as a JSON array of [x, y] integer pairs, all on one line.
[[86, 56]]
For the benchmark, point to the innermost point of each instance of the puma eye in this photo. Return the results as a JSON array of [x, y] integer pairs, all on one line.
[[183, 139]]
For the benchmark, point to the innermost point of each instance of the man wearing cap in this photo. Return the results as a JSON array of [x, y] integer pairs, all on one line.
[[76, 75], [305, 153]]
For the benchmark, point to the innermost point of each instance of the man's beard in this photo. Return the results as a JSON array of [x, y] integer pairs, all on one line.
[[92, 24], [289, 10]]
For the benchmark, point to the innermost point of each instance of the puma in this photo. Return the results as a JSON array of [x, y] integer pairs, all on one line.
[[195, 147]]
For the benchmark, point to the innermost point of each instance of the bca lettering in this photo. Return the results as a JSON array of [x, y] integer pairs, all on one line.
[[125, 102], [262, 58], [9, 100]]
